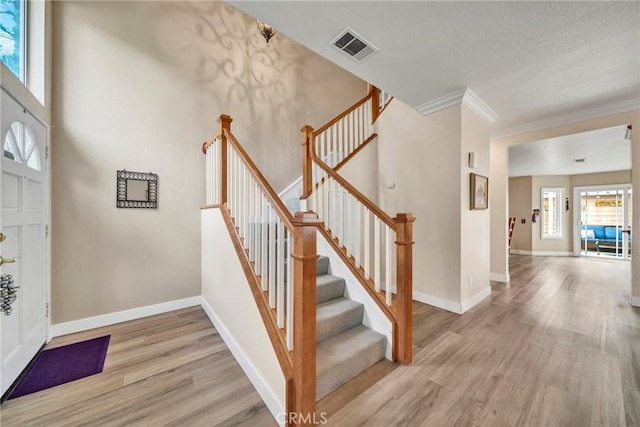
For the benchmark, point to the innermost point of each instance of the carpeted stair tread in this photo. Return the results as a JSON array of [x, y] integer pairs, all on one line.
[[323, 265], [328, 287], [340, 358], [336, 316]]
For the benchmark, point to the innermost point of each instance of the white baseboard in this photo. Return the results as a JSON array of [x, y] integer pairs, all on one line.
[[469, 303], [452, 306], [634, 301], [540, 253], [502, 278], [442, 303], [275, 407], [122, 316]]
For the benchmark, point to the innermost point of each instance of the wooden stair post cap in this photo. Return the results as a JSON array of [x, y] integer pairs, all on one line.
[[404, 217], [224, 118]]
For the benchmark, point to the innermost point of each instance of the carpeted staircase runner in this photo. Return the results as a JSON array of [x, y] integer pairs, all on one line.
[[345, 347]]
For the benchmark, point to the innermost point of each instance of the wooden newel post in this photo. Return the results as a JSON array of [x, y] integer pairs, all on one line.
[[305, 258], [307, 140], [404, 281], [224, 122], [375, 102]]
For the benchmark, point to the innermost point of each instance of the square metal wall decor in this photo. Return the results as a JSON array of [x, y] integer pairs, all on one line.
[[136, 190]]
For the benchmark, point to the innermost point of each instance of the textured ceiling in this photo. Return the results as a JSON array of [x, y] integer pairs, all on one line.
[[533, 63], [604, 150]]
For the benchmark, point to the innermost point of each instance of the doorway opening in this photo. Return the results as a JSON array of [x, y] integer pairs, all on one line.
[[603, 228]]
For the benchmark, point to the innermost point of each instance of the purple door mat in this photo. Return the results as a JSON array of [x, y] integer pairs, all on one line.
[[64, 364]]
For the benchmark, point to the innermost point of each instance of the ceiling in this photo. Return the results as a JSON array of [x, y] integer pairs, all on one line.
[[604, 150], [536, 64]]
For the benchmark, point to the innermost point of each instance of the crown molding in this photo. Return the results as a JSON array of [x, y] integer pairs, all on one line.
[[461, 96], [478, 106], [572, 117]]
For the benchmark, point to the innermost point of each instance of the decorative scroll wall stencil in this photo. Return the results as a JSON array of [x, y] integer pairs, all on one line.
[[136, 190]]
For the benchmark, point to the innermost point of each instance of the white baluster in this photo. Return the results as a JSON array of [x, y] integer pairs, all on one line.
[[348, 232], [257, 232], [250, 229], [341, 219], [367, 245], [241, 200], [289, 331], [358, 227], [376, 255], [264, 224], [280, 272], [387, 263], [314, 189], [272, 258], [282, 258], [256, 227], [325, 202], [341, 142]]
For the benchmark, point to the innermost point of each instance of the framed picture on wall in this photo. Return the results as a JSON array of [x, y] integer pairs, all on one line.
[[479, 191]]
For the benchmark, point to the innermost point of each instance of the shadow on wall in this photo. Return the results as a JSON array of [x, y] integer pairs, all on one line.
[[221, 46], [222, 64]]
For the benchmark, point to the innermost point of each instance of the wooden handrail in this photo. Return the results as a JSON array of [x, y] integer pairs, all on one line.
[[354, 191], [270, 194], [343, 114], [207, 144]]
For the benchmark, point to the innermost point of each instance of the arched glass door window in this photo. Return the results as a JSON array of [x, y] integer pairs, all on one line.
[[20, 146]]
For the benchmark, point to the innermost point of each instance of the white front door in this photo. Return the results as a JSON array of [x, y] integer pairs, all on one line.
[[24, 194]]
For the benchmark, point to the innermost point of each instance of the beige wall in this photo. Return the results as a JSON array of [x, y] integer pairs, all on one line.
[[520, 199], [631, 117], [524, 196], [603, 178], [138, 86], [499, 203], [421, 155], [426, 159], [226, 290], [474, 224], [362, 171]]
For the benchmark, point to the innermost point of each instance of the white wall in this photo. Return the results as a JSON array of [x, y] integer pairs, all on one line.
[[227, 293], [139, 86]]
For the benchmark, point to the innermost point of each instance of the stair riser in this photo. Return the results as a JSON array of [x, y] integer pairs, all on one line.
[[328, 328]]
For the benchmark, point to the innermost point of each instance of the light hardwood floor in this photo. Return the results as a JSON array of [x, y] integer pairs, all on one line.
[[558, 346], [167, 370]]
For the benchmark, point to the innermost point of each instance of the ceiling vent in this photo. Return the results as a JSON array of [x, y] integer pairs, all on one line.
[[353, 45]]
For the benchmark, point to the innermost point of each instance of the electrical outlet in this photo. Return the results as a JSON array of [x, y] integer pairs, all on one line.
[[523, 221]]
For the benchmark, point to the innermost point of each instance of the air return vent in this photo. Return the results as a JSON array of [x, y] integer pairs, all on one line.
[[353, 45]]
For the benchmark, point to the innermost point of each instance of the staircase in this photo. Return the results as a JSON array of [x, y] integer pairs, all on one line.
[[317, 332], [345, 347]]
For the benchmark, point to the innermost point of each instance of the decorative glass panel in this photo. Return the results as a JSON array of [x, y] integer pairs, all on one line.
[[20, 146]]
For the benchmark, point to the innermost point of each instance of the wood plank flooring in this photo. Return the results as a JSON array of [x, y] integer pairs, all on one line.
[[167, 370], [558, 346]]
